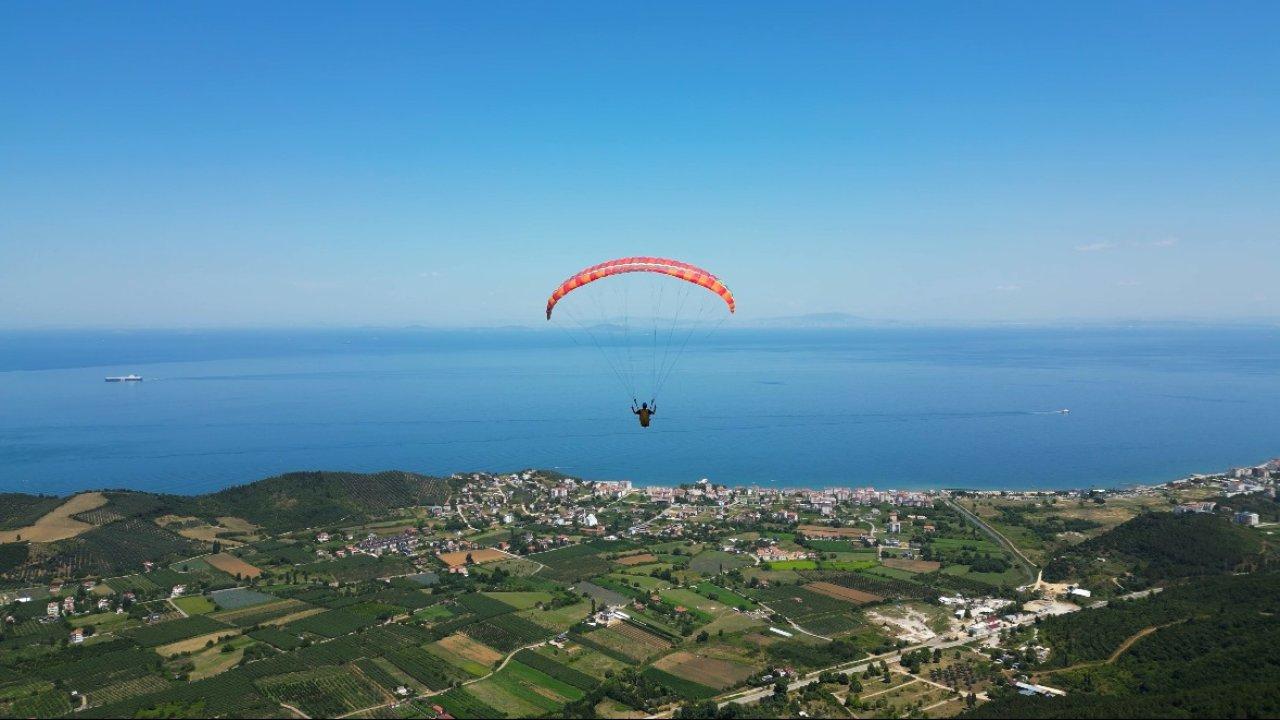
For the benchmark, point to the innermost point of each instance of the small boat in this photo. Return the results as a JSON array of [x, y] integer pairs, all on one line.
[[1064, 411], [124, 378]]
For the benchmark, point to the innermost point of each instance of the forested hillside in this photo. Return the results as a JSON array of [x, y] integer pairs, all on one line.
[[1212, 650], [1156, 547], [306, 499]]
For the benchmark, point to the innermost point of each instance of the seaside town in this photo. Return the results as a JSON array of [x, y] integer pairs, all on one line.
[[459, 596]]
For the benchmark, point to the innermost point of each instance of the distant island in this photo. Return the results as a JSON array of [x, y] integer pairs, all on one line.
[[534, 593]]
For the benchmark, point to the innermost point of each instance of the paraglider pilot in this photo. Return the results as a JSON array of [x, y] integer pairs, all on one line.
[[644, 412]]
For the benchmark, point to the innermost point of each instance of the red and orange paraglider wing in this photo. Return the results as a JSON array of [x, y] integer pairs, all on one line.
[[664, 266]]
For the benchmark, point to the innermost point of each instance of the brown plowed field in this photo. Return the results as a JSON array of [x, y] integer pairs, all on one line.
[[841, 592]]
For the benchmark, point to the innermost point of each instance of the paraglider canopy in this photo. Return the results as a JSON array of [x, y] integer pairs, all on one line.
[[664, 266], [640, 313]]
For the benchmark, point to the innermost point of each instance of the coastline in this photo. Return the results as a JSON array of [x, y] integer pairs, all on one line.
[[1137, 487]]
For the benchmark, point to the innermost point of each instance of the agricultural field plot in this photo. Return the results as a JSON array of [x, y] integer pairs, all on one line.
[[724, 596], [275, 552], [584, 659], [837, 564], [978, 545], [823, 532], [840, 592], [550, 666], [426, 668], [139, 584], [213, 661], [47, 704], [911, 566], [641, 571], [714, 562], [898, 588], [277, 638], [514, 566], [327, 691], [238, 526], [194, 644], [195, 564], [233, 566], [636, 579], [559, 619], [627, 642], [466, 653], [713, 672], [382, 675], [732, 623], [483, 606], [330, 623], [194, 604], [461, 703], [33, 632], [431, 613], [478, 557], [890, 573], [111, 668], [841, 546], [102, 622], [111, 550], [578, 562], [236, 598], [195, 529], [375, 611], [353, 569], [278, 610], [602, 595], [693, 601], [520, 600], [798, 602], [126, 689], [58, 523], [171, 631], [681, 686], [638, 559], [229, 694], [506, 632], [521, 691], [834, 624]]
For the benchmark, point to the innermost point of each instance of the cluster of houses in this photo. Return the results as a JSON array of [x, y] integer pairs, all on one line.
[[1243, 517]]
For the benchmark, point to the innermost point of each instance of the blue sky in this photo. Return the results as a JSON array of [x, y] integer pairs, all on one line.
[[235, 164]]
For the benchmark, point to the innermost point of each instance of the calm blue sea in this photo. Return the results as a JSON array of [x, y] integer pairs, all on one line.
[[893, 408]]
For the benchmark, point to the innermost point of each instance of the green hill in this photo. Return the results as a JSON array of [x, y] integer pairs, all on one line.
[[307, 499], [125, 533], [1211, 648], [1156, 547]]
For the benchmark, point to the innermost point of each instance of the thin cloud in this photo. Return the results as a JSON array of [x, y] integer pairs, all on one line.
[[1163, 243], [1094, 247]]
